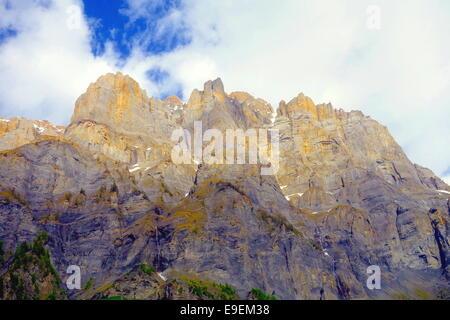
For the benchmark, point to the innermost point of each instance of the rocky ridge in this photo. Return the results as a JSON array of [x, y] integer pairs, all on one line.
[[108, 195]]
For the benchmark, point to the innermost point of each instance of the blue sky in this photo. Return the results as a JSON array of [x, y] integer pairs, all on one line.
[[386, 58], [109, 25], [111, 22]]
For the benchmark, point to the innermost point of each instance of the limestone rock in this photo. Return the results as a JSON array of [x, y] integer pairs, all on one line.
[[16, 132], [111, 199]]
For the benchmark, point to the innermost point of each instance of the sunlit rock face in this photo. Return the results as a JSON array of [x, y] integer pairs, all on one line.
[[116, 117], [16, 132], [110, 197]]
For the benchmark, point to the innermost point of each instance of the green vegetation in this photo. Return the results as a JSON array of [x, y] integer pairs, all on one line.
[[226, 292], [79, 200], [147, 270], [88, 284], [260, 295], [199, 289], [114, 298], [35, 254], [52, 296], [17, 286], [67, 196], [205, 289], [31, 267], [101, 194]]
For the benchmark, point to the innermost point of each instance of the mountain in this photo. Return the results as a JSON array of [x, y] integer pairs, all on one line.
[[104, 194]]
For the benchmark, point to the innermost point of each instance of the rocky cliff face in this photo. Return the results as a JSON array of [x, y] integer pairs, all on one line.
[[111, 200], [16, 132]]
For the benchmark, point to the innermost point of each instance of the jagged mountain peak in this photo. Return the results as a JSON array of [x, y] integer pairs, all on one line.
[[241, 96], [214, 86], [213, 90], [302, 105], [112, 99], [112, 199], [174, 100], [112, 78]]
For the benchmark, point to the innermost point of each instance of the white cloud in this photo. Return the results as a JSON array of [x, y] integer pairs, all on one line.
[[399, 75], [49, 63]]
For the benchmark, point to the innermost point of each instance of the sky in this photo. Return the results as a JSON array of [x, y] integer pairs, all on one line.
[[389, 59]]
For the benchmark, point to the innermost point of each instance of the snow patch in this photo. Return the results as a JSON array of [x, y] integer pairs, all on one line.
[[161, 276], [176, 108], [274, 117], [134, 169], [4, 120], [283, 187], [294, 194], [38, 128], [443, 191]]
